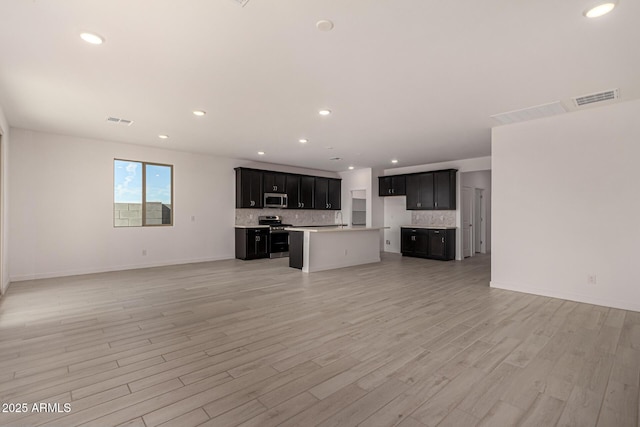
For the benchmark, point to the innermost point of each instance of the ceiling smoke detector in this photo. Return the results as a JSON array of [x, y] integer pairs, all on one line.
[[120, 121], [324, 25], [591, 98]]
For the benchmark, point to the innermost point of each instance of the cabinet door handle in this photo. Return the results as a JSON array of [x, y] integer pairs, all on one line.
[[252, 203], [257, 238], [302, 205], [389, 191], [443, 240], [275, 188], [436, 204]]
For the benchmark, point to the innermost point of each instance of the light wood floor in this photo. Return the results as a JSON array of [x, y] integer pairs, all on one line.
[[406, 342]]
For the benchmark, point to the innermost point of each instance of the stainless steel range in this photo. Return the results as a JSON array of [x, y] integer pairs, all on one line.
[[278, 237]]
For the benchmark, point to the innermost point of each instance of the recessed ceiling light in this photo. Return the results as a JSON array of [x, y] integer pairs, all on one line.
[[303, 140], [199, 113], [163, 136], [324, 112], [91, 38], [324, 25], [394, 161], [260, 153], [351, 168], [599, 10]]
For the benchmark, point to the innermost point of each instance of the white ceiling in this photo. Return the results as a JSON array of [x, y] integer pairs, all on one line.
[[415, 80]]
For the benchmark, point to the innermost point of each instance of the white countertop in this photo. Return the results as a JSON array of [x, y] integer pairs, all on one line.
[[333, 229], [432, 227], [251, 226]]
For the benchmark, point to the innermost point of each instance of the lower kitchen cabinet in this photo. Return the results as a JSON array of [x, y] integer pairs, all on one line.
[[252, 243], [433, 243]]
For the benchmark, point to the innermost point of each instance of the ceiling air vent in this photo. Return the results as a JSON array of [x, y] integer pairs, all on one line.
[[336, 158], [530, 113], [596, 97], [124, 122], [242, 3]]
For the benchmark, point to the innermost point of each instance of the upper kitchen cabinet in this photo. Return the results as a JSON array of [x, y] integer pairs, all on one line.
[[392, 185], [432, 190], [328, 193], [420, 191], [249, 188], [274, 182], [444, 190], [300, 190]]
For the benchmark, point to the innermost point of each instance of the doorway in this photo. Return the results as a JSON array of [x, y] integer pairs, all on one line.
[[358, 208], [468, 247], [479, 213], [475, 213]]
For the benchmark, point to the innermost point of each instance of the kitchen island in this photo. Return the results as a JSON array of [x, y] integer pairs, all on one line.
[[325, 248]]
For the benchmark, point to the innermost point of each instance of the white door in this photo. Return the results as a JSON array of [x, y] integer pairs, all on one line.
[[467, 222], [478, 220]]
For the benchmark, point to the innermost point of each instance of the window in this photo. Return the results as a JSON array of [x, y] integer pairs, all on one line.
[[143, 194]]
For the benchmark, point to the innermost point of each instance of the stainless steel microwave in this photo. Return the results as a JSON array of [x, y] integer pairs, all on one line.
[[275, 200]]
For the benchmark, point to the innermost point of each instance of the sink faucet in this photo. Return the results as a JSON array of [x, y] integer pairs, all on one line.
[[341, 220]]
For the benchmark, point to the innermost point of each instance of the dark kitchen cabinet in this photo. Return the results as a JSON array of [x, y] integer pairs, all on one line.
[[300, 191], [442, 244], [328, 193], [392, 185], [296, 249], [428, 243], [444, 190], [249, 190], [252, 243], [420, 191], [414, 242], [274, 182], [432, 190]]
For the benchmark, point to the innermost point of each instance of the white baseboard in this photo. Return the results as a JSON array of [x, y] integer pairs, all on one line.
[[587, 299], [50, 275]]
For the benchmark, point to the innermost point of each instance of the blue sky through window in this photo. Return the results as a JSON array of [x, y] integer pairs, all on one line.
[[128, 182], [158, 183]]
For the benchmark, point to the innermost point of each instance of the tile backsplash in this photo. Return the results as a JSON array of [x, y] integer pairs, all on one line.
[[434, 218], [289, 216]]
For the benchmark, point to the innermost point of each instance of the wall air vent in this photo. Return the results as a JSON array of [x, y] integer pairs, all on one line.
[[530, 113], [608, 95], [119, 121], [242, 3]]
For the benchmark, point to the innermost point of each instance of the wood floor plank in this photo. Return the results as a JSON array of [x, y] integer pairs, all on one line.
[[406, 342]]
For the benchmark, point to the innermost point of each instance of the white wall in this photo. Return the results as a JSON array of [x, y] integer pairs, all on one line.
[[4, 204], [481, 179], [565, 206], [61, 212], [395, 213]]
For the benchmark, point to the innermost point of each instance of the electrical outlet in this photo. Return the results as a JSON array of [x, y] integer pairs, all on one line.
[[346, 252], [297, 216], [144, 252], [388, 242], [193, 218], [592, 279], [250, 216]]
